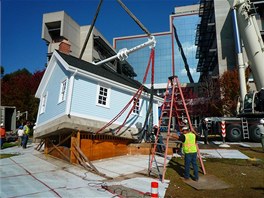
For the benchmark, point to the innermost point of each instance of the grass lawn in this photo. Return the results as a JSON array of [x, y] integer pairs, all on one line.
[[246, 177]]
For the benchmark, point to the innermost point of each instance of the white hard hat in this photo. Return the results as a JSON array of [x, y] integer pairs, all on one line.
[[206, 119], [261, 121], [185, 121], [185, 128]]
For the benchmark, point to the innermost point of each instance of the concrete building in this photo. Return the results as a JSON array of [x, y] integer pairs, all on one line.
[[59, 27], [215, 37]]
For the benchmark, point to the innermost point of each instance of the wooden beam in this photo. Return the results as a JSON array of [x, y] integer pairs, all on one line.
[[60, 142], [55, 147], [40, 144], [86, 160]]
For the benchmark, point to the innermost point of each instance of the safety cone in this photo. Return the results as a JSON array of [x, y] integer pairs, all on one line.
[[154, 189]]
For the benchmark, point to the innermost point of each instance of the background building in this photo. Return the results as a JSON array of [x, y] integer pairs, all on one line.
[[215, 38], [60, 31]]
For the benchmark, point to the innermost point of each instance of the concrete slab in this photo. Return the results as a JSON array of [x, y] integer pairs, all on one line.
[[21, 186], [123, 165], [85, 192], [84, 174], [60, 179], [6, 161], [222, 153], [209, 153], [12, 171], [231, 154], [143, 185]]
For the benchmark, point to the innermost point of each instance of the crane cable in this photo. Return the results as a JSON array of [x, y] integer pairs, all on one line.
[[151, 59], [150, 108]]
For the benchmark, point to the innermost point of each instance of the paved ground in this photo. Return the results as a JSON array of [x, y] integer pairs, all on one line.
[[32, 174]]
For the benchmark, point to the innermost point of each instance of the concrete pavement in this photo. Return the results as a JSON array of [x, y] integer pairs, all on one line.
[[32, 174]]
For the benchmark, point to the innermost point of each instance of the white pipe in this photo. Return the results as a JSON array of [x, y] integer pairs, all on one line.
[[123, 53]]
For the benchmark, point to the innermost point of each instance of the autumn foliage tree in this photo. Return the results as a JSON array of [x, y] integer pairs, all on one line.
[[230, 90], [18, 89]]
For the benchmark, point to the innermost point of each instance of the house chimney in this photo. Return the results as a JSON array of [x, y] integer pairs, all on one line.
[[65, 47]]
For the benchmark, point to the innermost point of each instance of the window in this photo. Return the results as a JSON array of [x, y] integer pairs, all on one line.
[[43, 103], [63, 86], [136, 106], [103, 96]]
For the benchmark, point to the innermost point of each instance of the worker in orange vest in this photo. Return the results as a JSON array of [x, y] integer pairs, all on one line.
[[190, 152], [3, 135]]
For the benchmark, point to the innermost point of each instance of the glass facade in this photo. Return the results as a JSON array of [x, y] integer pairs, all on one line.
[[139, 59], [186, 31]]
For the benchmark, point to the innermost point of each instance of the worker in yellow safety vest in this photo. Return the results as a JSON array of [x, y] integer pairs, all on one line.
[[26, 134], [190, 152]]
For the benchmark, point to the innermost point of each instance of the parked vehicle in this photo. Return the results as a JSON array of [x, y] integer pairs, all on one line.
[[8, 118]]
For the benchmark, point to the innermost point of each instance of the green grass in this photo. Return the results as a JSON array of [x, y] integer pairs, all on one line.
[[8, 145], [2, 156]]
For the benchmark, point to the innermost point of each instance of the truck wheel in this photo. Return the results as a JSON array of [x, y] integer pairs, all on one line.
[[254, 133], [234, 133]]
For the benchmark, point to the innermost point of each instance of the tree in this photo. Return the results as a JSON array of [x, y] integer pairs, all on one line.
[[18, 89], [230, 90], [2, 70], [209, 102]]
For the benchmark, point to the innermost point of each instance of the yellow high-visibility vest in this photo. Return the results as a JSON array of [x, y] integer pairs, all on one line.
[[189, 145], [26, 130]]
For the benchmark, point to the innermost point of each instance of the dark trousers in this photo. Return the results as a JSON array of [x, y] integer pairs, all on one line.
[[191, 158], [205, 136], [160, 145], [24, 141], [2, 141]]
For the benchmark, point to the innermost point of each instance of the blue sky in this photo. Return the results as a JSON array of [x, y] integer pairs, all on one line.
[[21, 24]]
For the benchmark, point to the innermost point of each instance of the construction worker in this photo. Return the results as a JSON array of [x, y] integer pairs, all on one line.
[[26, 134], [160, 144], [190, 152], [205, 129], [2, 135]]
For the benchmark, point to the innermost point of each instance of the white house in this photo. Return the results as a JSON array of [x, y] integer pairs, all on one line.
[[78, 95]]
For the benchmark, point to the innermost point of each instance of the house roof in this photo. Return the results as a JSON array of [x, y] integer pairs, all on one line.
[[101, 70]]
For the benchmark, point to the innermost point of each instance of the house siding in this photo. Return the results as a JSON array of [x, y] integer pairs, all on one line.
[[85, 97], [53, 107]]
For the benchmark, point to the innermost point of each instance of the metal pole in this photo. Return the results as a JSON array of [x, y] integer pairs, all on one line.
[[90, 30], [134, 18]]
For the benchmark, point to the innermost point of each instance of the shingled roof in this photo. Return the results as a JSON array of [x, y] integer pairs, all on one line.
[[101, 70]]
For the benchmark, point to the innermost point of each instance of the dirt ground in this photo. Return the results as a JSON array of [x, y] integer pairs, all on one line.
[[246, 177]]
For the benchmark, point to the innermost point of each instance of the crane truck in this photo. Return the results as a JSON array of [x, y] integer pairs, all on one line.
[[246, 125]]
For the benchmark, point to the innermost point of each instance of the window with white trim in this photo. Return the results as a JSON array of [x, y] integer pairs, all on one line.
[[136, 104], [62, 95], [43, 103], [103, 96]]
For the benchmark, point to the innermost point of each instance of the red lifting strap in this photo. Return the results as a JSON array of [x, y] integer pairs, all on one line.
[[136, 95]]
